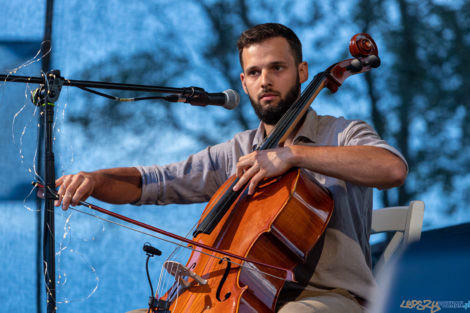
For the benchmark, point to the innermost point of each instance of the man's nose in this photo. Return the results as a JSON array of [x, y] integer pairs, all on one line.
[[265, 79]]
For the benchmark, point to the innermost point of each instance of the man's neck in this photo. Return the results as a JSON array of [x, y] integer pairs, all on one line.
[[268, 129]]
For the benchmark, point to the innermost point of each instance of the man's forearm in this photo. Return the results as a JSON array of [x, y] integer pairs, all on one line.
[[118, 185], [362, 165]]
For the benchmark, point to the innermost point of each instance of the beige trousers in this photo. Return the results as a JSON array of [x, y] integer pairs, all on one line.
[[331, 302]]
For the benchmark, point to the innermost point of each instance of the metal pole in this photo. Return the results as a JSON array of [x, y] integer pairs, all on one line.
[[48, 95], [47, 42], [49, 225], [48, 228]]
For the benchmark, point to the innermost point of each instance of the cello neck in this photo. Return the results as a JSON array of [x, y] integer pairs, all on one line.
[[294, 114]]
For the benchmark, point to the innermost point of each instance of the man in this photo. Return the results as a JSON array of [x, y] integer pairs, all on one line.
[[345, 156]]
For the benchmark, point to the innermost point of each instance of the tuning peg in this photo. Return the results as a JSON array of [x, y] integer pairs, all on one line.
[[355, 66], [372, 60]]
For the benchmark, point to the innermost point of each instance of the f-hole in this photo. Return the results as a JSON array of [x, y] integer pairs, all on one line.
[[222, 281]]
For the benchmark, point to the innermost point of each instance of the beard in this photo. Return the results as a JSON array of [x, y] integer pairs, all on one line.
[[272, 114]]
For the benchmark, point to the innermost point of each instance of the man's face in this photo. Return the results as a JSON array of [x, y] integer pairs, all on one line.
[[271, 78]]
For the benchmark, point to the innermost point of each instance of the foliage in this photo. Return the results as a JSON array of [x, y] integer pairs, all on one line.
[[424, 92]]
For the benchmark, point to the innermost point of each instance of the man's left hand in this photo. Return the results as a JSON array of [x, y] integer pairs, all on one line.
[[256, 166]]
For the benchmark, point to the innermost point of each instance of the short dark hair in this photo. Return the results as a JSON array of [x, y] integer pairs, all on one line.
[[261, 32]]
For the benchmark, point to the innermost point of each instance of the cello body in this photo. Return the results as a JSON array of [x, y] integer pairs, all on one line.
[[278, 224]]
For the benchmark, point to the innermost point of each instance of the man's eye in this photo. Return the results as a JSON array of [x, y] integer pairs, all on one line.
[[278, 67], [253, 73]]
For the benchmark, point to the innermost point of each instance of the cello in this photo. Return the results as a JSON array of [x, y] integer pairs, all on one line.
[[257, 241]]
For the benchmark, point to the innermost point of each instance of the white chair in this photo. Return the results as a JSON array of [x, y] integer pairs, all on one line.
[[405, 221]]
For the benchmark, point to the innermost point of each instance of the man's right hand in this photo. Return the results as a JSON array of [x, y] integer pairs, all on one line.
[[74, 188], [114, 185]]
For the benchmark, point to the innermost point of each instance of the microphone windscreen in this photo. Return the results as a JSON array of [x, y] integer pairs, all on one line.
[[232, 99]]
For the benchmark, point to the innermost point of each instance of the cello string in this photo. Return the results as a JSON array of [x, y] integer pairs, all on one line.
[[172, 288], [176, 254], [162, 283], [283, 123], [293, 112], [304, 98], [178, 244], [177, 288], [225, 201], [157, 290], [168, 277]]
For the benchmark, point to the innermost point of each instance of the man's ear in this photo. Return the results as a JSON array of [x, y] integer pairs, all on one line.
[[303, 71], [242, 79]]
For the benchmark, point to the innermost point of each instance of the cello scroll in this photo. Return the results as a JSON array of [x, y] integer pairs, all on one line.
[[366, 56]]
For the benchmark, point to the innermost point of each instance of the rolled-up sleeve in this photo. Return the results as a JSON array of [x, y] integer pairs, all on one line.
[[191, 181], [359, 133]]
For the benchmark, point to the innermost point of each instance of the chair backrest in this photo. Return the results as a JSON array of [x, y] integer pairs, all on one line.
[[405, 221]]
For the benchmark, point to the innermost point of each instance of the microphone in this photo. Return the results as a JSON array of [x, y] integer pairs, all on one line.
[[228, 99], [151, 250]]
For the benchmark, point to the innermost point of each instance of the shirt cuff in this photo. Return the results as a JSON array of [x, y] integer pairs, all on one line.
[[150, 185]]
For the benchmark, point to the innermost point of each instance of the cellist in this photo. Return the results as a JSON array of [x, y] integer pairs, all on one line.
[[345, 156]]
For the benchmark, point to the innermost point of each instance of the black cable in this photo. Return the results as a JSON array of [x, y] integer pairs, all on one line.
[[118, 98], [149, 255], [151, 300]]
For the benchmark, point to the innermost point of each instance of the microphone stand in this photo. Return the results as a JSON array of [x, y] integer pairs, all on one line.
[[188, 92], [45, 97]]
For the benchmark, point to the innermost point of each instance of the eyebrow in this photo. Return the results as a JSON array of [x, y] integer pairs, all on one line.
[[274, 63]]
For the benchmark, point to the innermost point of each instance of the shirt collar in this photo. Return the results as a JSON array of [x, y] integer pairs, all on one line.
[[259, 136], [307, 133]]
